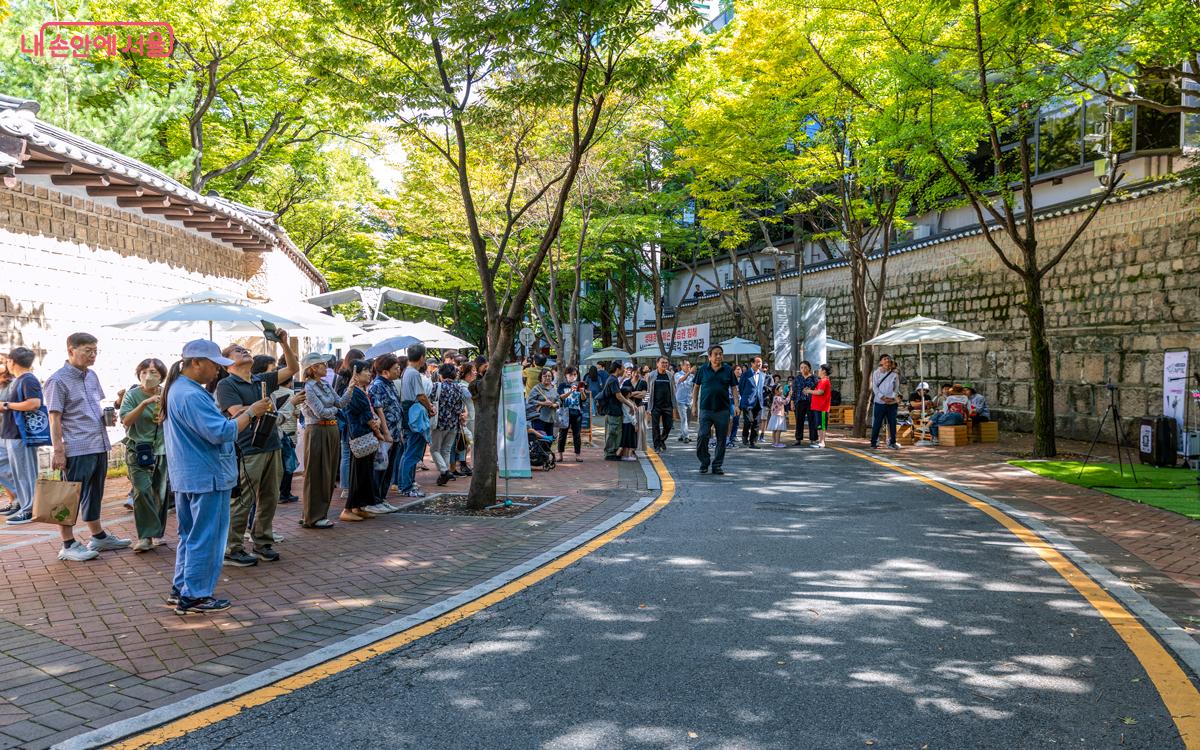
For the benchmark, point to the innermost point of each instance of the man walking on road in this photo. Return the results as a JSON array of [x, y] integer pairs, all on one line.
[[754, 381], [711, 401], [662, 403], [608, 405], [885, 392]]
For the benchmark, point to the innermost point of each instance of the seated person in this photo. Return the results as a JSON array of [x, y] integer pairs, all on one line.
[[537, 435], [978, 405], [953, 412], [914, 399]]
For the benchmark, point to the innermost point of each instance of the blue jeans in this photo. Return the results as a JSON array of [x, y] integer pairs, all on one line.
[[949, 419], [23, 467], [203, 530], [345, 465], [882, 413], [414, 451]]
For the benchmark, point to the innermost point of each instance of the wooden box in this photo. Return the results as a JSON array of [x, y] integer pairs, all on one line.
[[843, 414], [953, 436], [905, 435], [987, 432]]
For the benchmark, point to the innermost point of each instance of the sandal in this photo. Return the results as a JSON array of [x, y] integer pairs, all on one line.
[[349, 516], [362, 512]]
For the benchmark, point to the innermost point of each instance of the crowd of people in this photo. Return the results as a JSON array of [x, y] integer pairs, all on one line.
[[214, 438]]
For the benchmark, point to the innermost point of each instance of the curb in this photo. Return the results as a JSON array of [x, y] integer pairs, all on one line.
[[157, 717], [1167, 630]]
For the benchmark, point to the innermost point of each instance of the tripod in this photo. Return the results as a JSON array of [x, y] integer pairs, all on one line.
[[1116, 418]]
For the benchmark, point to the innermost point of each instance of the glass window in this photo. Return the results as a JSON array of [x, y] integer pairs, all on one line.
[[1060, 142], [1157, 129]]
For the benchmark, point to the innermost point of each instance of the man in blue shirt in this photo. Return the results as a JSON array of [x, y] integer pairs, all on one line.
[[711, 401], [202, 464]]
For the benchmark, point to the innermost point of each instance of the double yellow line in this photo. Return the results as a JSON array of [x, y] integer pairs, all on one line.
[[220, 712], [1178, 693]]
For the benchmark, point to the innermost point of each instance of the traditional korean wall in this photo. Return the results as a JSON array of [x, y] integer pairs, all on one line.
[[71, 264], [1128, 290]]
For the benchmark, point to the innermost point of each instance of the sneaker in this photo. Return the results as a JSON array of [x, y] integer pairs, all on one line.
[[703, 469], [11, 509], [173, 597], [201, 606], [288, 499], [266, 553], [718, 472], [240, 559], [378, 509], [143, 545], [128, 503], [277, 537], [414, 492], [894, 446], [874, 446], [77, 553], [18, 518], [111, 541]]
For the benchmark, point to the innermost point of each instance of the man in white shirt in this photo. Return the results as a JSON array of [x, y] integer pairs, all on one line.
[[683, 394], [885, 393]]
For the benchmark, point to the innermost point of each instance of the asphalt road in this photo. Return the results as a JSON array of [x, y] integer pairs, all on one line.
[[808, 599]]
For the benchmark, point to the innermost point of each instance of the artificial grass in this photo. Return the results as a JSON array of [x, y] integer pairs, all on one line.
[[1172, 489]]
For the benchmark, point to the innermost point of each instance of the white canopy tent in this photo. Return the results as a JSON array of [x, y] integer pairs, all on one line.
[[372, 299], [921, 330], [218, 309]]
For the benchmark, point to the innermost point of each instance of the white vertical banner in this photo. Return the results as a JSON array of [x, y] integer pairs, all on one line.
[[1175, 379], [785, 324], [512, 438], [812, 326]]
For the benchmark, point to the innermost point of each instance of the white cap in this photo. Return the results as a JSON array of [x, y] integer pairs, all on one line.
[[923, 384]]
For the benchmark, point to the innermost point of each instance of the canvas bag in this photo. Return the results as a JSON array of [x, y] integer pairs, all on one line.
[[56, 501], [34, 426]]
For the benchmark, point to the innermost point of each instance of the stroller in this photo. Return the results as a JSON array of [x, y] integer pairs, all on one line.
[[540, 453]]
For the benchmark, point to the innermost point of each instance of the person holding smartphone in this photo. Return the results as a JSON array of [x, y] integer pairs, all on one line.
[[885, 390]]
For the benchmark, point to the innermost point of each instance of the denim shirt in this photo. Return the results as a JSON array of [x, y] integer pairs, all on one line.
[[200, 440]]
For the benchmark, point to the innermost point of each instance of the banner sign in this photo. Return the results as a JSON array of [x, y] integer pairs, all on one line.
[[785, 321], [512, 439], [812, 326], [688, 339], [1175, 380]]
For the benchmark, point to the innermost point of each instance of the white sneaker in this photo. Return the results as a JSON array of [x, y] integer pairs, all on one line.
[[390, 508], [112, 541], [378, 509], [77, 553]]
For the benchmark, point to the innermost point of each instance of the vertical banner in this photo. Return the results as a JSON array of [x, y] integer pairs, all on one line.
[[1175, 380], [785, 324], [812, 327], [512, 440]]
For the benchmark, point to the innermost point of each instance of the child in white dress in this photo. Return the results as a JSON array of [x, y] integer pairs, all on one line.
[[778, 421]]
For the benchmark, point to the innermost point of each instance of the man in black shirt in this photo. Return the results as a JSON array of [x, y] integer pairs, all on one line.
[[711, 401], [662, 403], [608, 405]]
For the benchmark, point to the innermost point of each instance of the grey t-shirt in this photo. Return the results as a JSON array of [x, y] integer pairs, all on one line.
[[412, 385]]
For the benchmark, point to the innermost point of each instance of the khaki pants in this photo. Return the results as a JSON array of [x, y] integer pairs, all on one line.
[[322, 452], [259, 480]]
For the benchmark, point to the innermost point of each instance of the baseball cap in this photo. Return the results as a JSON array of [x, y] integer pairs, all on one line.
[[205, 349]]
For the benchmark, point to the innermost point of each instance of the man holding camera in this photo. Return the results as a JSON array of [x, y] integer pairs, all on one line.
[[260, 449]]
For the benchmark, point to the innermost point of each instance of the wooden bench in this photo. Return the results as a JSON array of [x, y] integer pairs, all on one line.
[[843, 415], [954, 436], [985, 432]]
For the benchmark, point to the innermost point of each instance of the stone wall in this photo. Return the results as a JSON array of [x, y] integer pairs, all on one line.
[[1128, 289]]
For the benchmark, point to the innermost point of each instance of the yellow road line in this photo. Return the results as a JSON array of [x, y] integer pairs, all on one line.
[[220, 712], [1178, 693]]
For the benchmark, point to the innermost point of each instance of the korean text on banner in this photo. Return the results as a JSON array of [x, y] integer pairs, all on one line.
[[691, 339], [512, 440]]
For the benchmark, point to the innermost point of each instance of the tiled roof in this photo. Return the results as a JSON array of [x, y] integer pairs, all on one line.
[[18, 117]]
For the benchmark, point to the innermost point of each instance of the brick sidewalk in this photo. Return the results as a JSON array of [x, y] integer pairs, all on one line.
[[85, 644], [1166, 541]]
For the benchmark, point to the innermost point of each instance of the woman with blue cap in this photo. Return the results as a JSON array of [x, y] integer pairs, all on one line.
[[203, 468]]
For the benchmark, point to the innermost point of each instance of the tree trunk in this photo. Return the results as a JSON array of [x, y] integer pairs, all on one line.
[[1039, 370], [862, 322], [487, 420]]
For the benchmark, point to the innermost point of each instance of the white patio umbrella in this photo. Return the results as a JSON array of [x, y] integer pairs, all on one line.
[[921, 330], [212, 307], [391, 345], [432, 335], [739, 346], [606, 354]]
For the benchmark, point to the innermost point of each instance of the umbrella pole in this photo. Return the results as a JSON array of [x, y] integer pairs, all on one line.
[[210, 336], [921, 374]]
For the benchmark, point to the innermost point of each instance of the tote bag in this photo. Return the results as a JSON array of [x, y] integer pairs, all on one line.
[[56, 502]]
